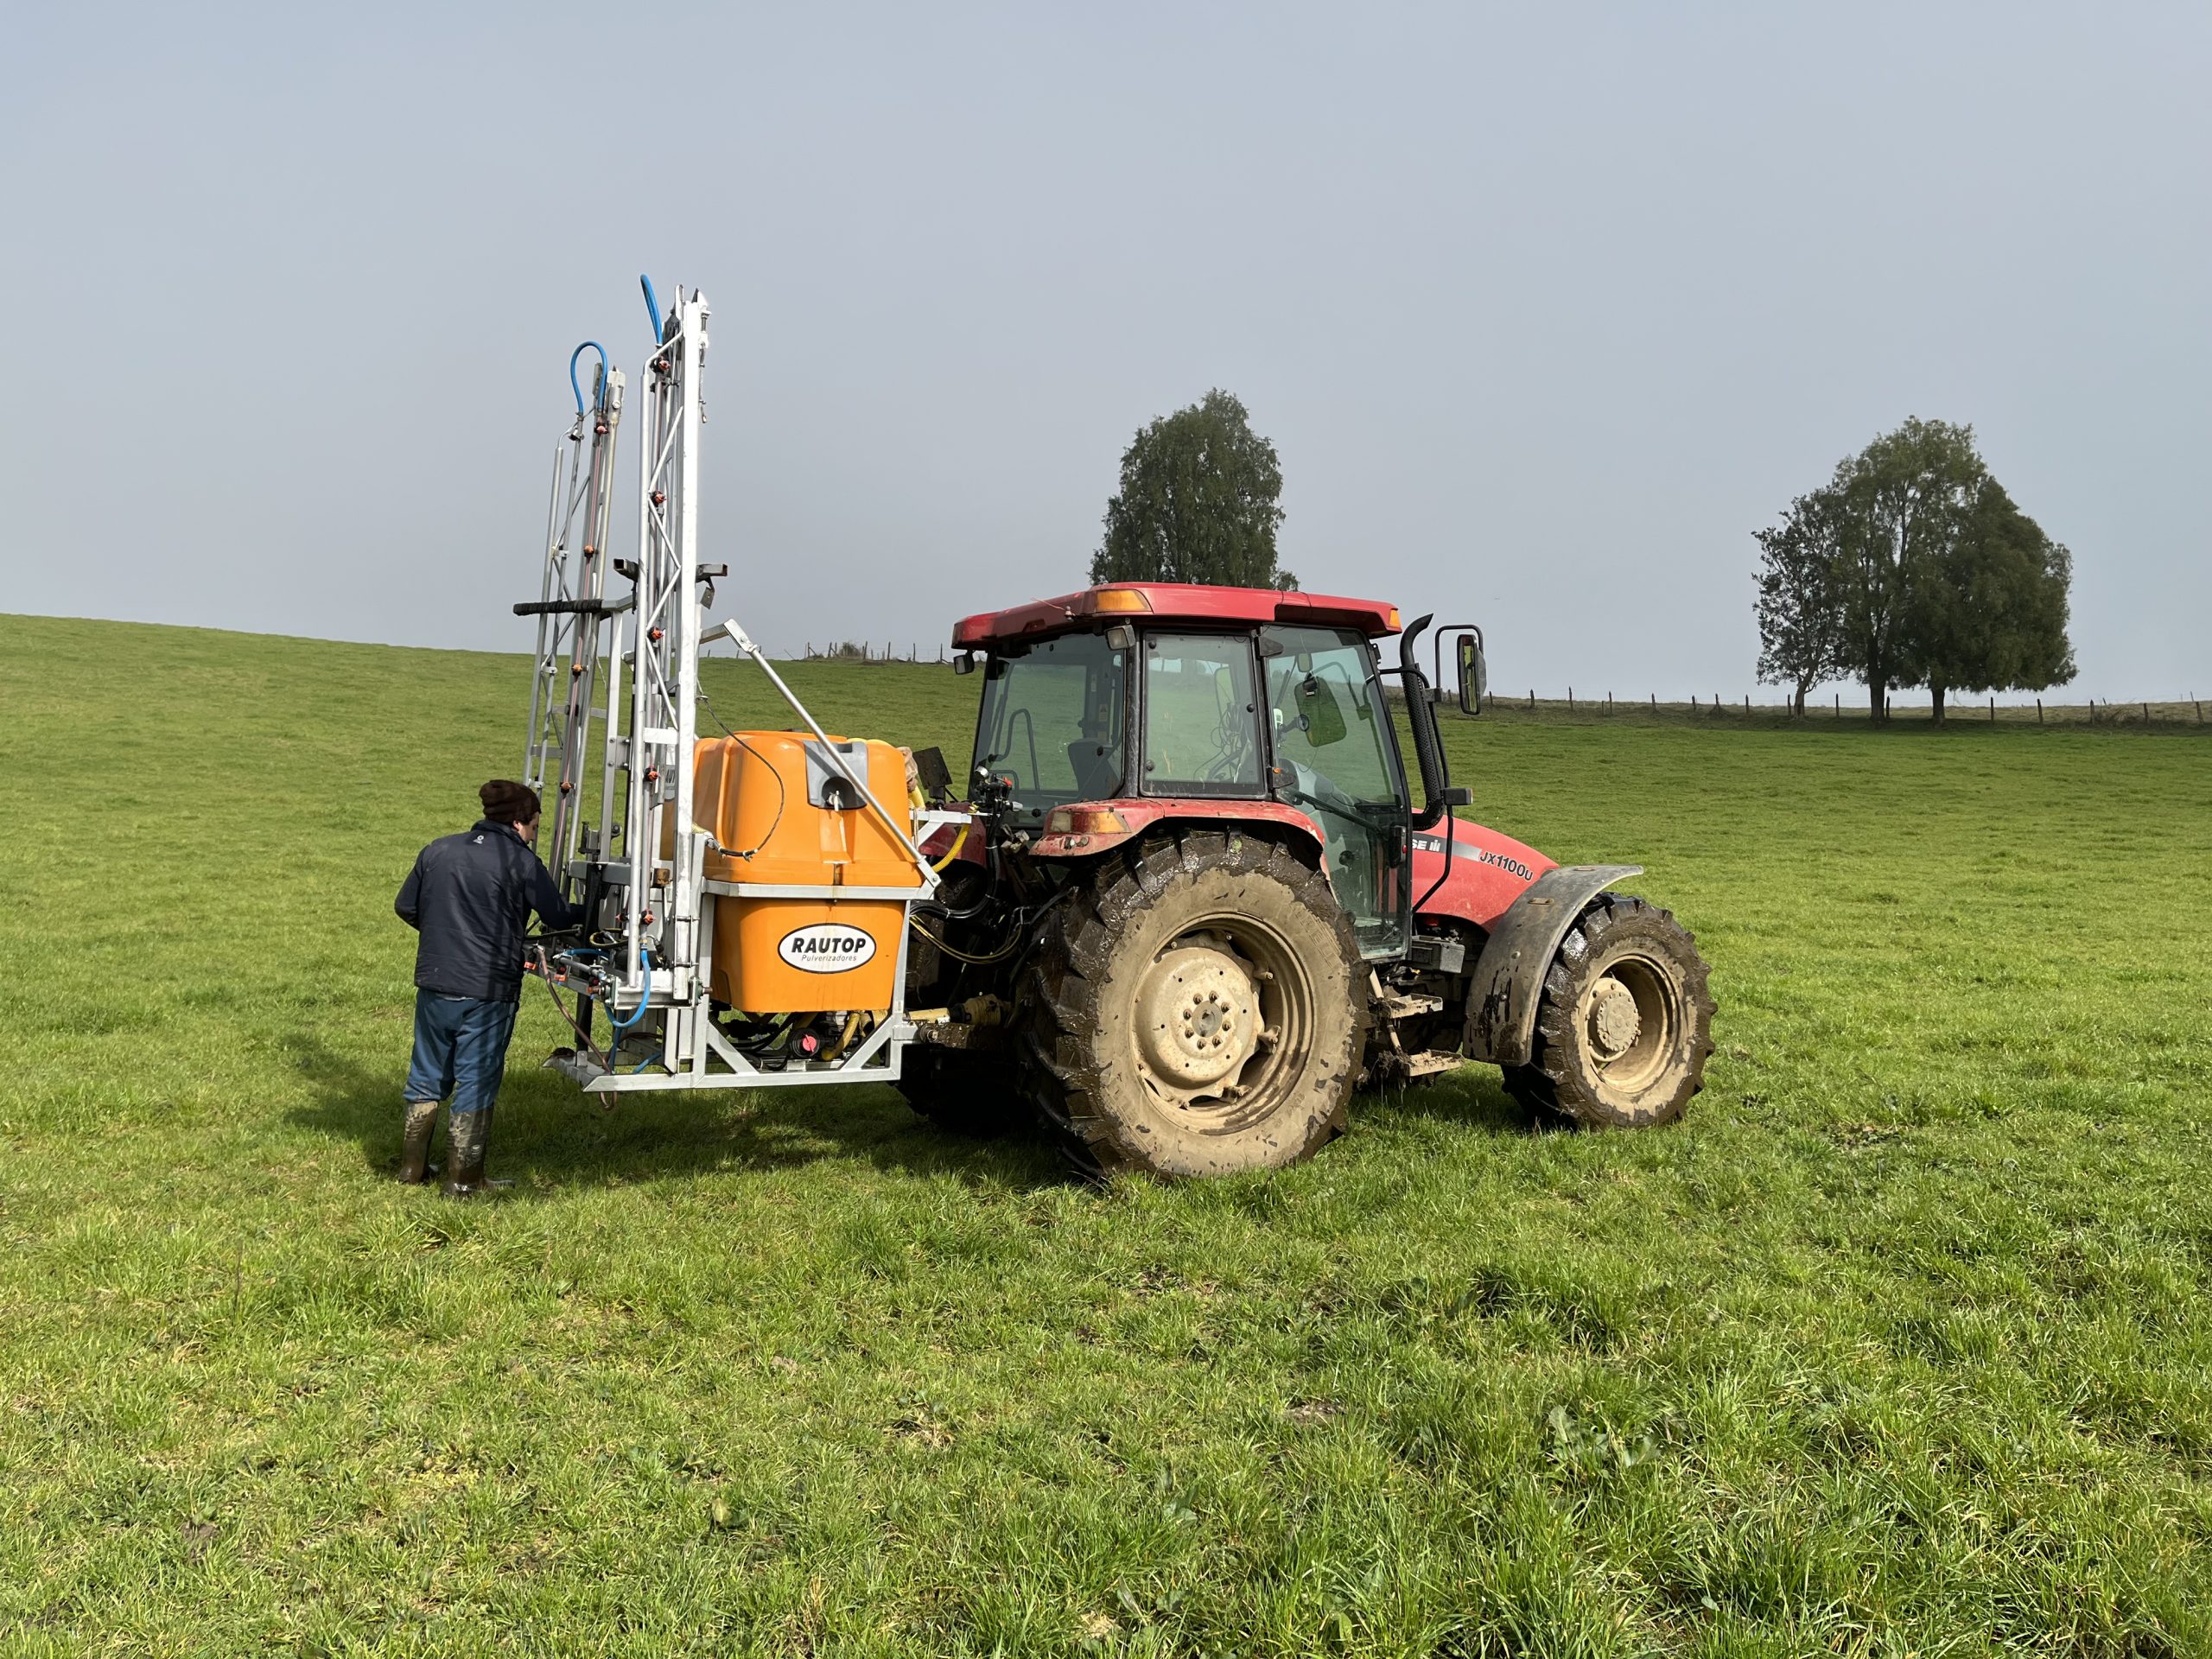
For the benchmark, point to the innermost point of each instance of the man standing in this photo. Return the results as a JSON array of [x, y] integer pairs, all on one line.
[[470, 897]]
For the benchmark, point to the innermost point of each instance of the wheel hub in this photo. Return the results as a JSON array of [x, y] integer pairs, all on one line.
[[1198, 1017], [1615, 1022]]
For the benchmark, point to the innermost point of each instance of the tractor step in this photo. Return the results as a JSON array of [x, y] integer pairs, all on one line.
[[1430, 1061], [1399, 1006]]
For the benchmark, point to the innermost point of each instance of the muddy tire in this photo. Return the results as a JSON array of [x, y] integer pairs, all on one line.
[[1625, 1022], [1196, 1006], [1531, 1090], [972, 1095]]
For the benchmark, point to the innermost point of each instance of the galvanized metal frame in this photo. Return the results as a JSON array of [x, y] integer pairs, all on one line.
[[572, 590], [649, 643]]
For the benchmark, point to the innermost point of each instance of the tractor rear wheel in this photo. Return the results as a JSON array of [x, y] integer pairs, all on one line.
[[1197, 1006], [1625, 1024]]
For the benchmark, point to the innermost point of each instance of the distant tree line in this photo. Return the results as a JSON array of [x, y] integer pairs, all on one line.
[[1912, 567]]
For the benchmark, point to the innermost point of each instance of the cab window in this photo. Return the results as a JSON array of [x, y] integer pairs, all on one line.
[[1201, 716], [1054, 720]]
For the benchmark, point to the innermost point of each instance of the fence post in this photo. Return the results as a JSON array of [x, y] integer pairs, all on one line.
[[1992, 711], [1747, 702], [1839, 705], [2147, 713], [2039, 711], [1570, 699]]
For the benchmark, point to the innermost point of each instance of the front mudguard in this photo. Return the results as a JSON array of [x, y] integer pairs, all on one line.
[[1509, 977]]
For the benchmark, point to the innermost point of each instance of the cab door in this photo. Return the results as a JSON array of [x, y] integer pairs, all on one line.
[[1336, 758]]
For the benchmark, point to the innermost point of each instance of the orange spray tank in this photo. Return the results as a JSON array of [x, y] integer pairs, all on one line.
[[783, 818]]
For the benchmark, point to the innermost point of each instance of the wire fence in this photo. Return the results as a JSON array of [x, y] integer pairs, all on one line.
[[865, 650], [1835, 708]]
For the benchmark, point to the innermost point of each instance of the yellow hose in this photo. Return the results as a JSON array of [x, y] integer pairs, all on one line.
[[852, 1025], [958, 841]]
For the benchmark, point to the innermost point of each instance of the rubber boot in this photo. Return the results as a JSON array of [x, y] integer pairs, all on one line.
[[466, 1135], [488, 1183], [415, 1143]]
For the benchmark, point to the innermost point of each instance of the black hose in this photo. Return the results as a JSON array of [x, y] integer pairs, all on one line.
[[546, 977], [984, 900]]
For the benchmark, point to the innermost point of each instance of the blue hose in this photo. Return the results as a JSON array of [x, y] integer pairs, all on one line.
[[645, 962], [589, 345], [652, 305]]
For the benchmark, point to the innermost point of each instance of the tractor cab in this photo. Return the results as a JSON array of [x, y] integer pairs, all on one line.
[[1188, 701]]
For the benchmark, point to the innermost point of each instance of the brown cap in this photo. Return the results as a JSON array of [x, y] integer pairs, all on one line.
[[508, 801]]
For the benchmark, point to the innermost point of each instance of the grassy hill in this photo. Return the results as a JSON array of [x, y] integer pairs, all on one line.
[[1900, 1343]]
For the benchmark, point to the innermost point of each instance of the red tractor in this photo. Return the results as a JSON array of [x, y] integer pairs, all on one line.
[[1198, 906]]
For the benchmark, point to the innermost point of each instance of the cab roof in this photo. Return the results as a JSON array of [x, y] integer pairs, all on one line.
[[1171, 601]]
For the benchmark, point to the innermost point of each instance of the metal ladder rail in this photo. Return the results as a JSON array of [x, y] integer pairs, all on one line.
[[570, 614], [588, 633], [663, 660]]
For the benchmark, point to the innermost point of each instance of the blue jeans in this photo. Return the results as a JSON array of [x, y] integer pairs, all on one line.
[[460, 1049]]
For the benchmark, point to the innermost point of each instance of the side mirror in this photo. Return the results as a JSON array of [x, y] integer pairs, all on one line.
[[1474, 672], [1320, 713], [963, 662]]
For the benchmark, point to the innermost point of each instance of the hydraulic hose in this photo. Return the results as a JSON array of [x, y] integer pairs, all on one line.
[[982, 900], [600, 406], [844, 1042], [546, 977], [999, 955], [652, 304], [958, 841]]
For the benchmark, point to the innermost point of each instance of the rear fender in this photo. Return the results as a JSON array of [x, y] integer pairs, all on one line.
[[1508, 976], [1086, 838]]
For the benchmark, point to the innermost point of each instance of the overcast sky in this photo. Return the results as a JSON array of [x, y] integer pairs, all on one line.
[[1545, 308]]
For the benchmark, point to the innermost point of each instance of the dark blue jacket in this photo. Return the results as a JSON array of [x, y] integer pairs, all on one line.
[[470, 896]]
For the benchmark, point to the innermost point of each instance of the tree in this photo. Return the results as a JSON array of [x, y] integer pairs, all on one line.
[[1912, 566], [1801, 635], [1990, 613], [1904, 502], [1197, 503]]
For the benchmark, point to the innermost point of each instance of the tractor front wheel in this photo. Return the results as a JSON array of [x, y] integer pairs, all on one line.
[[1625, 1022], [1197, 1006]]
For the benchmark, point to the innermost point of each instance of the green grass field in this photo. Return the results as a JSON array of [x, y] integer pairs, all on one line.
[[1898, 1345]]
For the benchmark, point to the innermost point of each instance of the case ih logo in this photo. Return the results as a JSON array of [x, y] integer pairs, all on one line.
[[1478, 854], [826, 947]]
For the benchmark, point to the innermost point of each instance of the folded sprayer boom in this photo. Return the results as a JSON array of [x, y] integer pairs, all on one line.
[[836, 864]]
